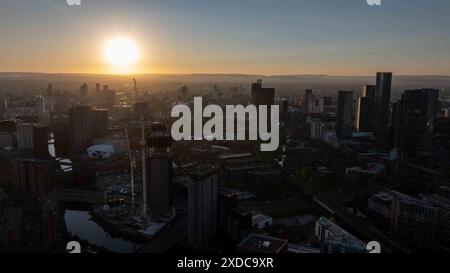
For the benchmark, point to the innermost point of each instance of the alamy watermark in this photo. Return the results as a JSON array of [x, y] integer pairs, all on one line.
[[237, 120], [373, 2], [73, 2]]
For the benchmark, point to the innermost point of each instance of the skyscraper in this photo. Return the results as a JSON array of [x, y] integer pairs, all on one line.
[[344, 125], [83, 90], [262, 96], [40, 140], [365, 109], [415, 120], [381, 111], [100, 122], [24, 136], [184, 92], [80, 128], [160, 172], [43, 115], [309, 98], [32, 180], [202, 205], [256, 89]]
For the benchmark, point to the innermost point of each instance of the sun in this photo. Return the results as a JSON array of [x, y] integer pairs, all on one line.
[[121, 52]]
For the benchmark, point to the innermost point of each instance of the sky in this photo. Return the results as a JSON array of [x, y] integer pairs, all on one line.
[[270, 37]]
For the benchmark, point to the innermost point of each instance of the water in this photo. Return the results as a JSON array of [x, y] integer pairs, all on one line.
[[79, 223]]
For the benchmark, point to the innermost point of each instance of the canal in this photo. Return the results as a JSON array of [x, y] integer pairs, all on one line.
[[80, 223]]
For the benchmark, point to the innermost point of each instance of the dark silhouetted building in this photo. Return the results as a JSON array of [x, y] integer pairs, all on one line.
[[381, 108], [344, 124], [284, 110], [32, 180], [184, 93], [256, 89], [414, 220], [365, 109], [310, 101], [413, 119], [40, 141], [239, 221], [80, 128], [61, 137], [262, 96], [202, 205], [140, 109], [83, 90], [160, 172], [100, 123], [227, 202], [86, 124]]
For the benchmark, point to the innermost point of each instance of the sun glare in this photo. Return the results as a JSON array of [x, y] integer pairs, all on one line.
[[121, 52]]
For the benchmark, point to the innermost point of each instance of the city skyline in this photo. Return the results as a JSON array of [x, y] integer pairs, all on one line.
[[245, 37]]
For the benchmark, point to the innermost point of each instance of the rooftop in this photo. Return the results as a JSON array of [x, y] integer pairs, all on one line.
[[263, 243]]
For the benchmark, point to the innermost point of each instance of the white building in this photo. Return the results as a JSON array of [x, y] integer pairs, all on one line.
[[101, 151], [261, 220]]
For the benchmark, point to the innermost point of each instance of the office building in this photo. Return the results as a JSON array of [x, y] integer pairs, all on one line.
[[41, 109], [345, 115], [32, 180], [61, 136], [227, 202], [24, 136], [365, 109], [202, 205], [80, 128], [160, 172], [380, 208], [100, 123], [11, 230], [284, 110], [261, 95], [309, 101], [414, 220], [334, 239], [184, 93], [83, 90], [238, 222], [40, 141], [325, 105], [414, 118], [381, 111], [256, 89]]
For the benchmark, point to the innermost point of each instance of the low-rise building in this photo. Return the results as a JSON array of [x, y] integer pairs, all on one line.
[[258, 243], [261, 220], [334, 239]]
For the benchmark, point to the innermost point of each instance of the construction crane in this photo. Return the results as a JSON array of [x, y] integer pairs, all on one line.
[[132, 167], [144, 170]]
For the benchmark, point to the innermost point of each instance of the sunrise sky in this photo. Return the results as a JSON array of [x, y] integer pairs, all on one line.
[[269, 37]]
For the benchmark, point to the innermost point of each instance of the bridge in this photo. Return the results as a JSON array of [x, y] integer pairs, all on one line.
[[79, 196]]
